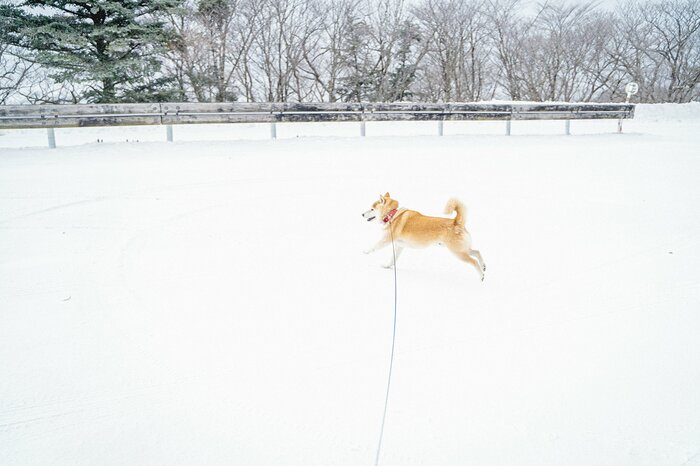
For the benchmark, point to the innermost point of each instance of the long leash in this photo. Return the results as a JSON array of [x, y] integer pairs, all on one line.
[[393, 344]]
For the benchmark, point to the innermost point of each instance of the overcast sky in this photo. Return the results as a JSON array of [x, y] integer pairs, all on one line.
[[605, 3], [610, 4]]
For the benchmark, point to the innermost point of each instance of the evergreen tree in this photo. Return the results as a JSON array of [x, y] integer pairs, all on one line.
[[110, 47]]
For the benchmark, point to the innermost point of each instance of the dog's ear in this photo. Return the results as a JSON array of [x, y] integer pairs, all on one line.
[[387, 195], [381, 199]]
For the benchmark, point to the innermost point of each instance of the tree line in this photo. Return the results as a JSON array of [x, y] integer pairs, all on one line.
[[103, 51]]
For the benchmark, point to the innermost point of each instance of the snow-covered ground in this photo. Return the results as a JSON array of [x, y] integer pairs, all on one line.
[[207, 301]]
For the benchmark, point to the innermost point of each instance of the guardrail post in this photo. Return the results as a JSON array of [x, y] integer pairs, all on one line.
[[52, 138], [363, 128], [567, 127], [273, 122], [169, 132], [441, 123], [508, 127]]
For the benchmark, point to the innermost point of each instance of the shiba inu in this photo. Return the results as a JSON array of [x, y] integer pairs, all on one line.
[[414, 230]]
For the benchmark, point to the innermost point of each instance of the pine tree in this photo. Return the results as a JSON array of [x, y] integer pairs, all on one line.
[[110, 47]]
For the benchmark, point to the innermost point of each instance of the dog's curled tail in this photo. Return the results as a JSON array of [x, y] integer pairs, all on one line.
[[454, 205]]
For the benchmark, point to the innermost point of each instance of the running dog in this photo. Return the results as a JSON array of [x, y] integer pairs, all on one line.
[[412, 229]]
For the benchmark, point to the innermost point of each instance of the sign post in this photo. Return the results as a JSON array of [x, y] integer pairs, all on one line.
[[630, 89]]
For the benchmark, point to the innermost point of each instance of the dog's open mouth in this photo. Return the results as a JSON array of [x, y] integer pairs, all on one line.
[[371, 218]]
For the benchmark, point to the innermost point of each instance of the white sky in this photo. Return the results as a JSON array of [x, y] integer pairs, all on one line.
[[609, 4]]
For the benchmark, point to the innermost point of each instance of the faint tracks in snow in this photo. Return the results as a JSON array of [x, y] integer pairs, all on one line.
[[18, 417], [54, 208], [693, 460]]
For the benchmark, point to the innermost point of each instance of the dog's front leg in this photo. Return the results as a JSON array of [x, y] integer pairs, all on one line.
[[394, 257], [384, 242]]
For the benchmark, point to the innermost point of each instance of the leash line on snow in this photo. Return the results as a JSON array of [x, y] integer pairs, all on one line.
[[391, 359]]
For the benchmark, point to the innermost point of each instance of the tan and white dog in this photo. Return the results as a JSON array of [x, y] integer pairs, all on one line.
[[412, 229]]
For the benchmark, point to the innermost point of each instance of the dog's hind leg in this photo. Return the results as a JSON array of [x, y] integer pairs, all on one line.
[[469, 259], [477, 255]]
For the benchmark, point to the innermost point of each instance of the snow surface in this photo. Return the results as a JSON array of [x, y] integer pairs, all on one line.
[[207, 301]]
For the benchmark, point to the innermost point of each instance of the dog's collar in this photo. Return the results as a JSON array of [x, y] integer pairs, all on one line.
[[390, 215]]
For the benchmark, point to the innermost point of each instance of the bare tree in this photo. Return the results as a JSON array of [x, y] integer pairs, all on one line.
[[14, 72], [603, 75], [556, 48], [277, 55], [658, 44], [458, 49], [214, 37], [24, 81], [382, 50], [323, 51], [509, 35], [675, 45]]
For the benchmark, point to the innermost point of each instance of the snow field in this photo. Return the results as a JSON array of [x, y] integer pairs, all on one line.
[[208, 302]]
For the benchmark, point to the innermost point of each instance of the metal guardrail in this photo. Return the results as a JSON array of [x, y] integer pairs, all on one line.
[[67, 116]]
